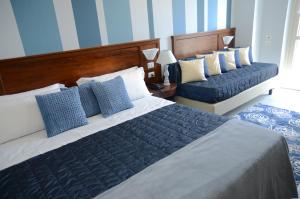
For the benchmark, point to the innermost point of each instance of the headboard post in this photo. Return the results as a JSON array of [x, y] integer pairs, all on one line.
[[32, 72], [202, 42]]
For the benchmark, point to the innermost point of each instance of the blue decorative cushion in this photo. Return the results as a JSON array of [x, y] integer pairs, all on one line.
[[112, 96], [61, 111], [223, 63], [88, 99], [237, 59]]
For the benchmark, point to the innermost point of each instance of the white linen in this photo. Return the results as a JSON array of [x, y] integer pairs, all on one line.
[[135, 84], [105, 77], [20, 114], [24, 148]]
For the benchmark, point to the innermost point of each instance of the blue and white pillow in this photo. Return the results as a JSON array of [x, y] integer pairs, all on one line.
[[227, 60], [244, 55], [61, 111], [112, 96]]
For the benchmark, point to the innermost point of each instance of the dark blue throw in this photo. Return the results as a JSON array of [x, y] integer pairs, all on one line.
[[92, 165]]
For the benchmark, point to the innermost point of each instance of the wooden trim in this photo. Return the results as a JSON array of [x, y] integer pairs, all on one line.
[[32, 72], [202, 42]]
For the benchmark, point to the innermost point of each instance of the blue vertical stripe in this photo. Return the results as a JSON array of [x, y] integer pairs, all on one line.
[[118, 20], [37, 25], [150, 18], [200, 15], [228, 22], [212, 14], [86, 20], [179, 17]]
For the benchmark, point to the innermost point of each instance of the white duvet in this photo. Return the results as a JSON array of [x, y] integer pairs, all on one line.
[[24, 148]]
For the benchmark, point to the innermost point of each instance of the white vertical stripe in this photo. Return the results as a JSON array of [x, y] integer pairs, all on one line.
[[163, 22], [102, 23], [205, 15], [10, 40], [191, 16], [222, 13], [66, 24], [139, 19]]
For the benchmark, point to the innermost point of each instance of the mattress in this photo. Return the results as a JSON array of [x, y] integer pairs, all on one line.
[[221, 87], [100, 161]]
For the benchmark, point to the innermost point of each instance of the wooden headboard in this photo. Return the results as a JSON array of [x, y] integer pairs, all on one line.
[[191, 44], [27, 73]]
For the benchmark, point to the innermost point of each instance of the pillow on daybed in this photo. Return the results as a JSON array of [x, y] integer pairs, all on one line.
[[244, 55], [229, 59], [192, 70], [213, 63]]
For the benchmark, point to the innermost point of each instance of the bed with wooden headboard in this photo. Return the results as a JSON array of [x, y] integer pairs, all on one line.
[[202, 42], [189, 45], [31, 72]]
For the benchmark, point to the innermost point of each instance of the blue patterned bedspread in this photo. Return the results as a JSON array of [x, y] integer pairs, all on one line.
[[221, 87], [92, 165]]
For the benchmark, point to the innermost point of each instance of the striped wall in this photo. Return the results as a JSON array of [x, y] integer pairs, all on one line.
[[41, 26]]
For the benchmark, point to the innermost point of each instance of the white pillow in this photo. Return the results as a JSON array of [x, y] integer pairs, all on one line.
[[135, 84], [213, 63], [20, 114], [105, 77], [192, 70], [229, 58], [244, 55]]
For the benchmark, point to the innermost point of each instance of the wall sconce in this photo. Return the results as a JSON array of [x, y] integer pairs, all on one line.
[[150, 55], [227, 40]]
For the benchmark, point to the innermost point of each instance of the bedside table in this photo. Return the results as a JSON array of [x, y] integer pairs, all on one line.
[[167, 92]]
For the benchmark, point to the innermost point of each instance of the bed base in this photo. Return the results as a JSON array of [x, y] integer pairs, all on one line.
[[225, 106]]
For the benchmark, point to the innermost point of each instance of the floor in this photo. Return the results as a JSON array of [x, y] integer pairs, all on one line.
[[281, 98]]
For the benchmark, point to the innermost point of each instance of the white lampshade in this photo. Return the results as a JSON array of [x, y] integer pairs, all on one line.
[[150, 53], [227, 40], [166, 57]]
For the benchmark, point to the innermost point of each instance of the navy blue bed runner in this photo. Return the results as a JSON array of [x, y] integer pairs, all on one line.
[[92, 165], [221, 87]]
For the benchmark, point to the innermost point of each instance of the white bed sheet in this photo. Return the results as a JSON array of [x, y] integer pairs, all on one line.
[[24, 148]]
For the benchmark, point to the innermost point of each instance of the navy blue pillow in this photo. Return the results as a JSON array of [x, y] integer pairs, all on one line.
[[223, 63], [112, 96], [61, 111], [237, 59], [88, 99]]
